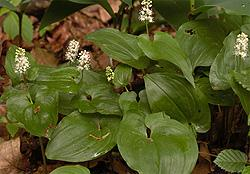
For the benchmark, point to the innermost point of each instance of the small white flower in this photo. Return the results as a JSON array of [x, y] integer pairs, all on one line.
[[21, 61], [109, 73], [72, 50], [146, 13], [84, 60], [241, 46]]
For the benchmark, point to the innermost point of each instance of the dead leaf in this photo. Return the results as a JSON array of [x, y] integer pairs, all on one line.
[[44, 57], [11, 159]]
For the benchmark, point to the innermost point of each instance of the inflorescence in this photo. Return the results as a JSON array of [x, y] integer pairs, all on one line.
[[241, 46], [146, 12], [109, 73], [82, 58], [21, 61]]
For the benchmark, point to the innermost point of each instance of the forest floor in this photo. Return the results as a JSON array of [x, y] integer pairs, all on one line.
[[22, 153]]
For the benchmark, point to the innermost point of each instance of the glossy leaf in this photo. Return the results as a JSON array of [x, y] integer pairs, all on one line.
[[11, 25], [123, 75], [231, 160], [27, 29], [120, 46], [175, 96], [12, 128], [80, 137], [165, 47], [97, 98], [226, 61], [10, 67], [36, 116], [242, 93], [201, 40], [215, 97], [77, 169], [129, 2], [240, 7], [57, 10], [64, 79], [169, 147], [7, 4], [176, 12]]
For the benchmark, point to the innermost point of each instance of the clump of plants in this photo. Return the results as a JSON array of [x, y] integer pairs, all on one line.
[[155, 128]]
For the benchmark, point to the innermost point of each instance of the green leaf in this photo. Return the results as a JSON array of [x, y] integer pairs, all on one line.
[[97, 98], [240, 7], [226, 61], [120, 46], [65, 103], [123, 75], [215, 97], [165, 47], [27, 29], [10, 67], [63, 79], [12, 128], [58, 11], [77, 169], [11, 25], [80, 137], [175, 96], [201, 40], [129, 2], [246, 170], [167, 142], [37, 116], [7, 4], [243, 94], [231, 160], [243, 78]]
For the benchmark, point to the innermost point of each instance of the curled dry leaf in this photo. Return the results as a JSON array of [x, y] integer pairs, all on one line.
[[11, 159]]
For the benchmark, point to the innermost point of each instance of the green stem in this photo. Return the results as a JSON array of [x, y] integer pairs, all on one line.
[[192, 5], [20, 16], [43, 155]]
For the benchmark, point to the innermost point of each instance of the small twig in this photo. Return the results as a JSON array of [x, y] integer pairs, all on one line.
[[208, 154], [43, 155]]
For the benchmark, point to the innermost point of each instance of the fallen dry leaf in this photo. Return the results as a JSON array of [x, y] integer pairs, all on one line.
[[44, 57], [11, 159]]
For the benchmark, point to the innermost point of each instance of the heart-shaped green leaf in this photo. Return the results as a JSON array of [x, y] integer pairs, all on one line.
[[175, 96], [120, 46], [80, 137], [71, 170], [226, 61], [156, 144], [123, 75], [165, 47], [201, 40], [11, 25], [36, 116]]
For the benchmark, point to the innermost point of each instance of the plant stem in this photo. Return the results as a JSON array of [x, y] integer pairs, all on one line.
[[43, 155], [20, 16], [147, 28], [192, 5]]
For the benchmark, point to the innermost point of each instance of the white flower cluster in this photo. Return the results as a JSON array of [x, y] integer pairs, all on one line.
[[83, 58], [146, 13], [21, 61], [241, 46], [109, 73], [72, 50]]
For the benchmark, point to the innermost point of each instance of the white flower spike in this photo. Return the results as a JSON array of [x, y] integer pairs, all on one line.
[[110, 73], [146, 13], [84, 60], [72, 50], [21, 61], [241, 46]]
